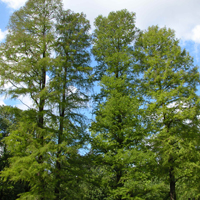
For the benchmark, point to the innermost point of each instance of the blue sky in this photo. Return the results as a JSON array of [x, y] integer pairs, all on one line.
[[181, 15]]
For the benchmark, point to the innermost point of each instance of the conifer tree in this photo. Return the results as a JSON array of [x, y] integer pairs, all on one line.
[[169, 82], [69, 84], [117, 133], [25, 60], [9, 117]]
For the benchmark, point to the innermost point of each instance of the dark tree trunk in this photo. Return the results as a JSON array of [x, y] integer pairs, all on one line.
[[172, 184], [60, 137]]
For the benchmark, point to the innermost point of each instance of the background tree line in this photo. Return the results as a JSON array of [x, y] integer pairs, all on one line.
[[144, 140]]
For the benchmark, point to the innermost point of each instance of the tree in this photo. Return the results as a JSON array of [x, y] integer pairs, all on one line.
[[25, 61], [170, 82], [9, 117], [48, 49], [69, 84], [117, 131]]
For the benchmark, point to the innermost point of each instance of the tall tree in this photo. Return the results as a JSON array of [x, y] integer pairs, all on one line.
[[117, 132], [169, 82], [69, 84], [25, 61]]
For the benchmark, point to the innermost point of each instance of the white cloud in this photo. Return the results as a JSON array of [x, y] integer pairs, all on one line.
[[22, 102], [2, 35], [25, 103], [15, 4], [1, 101], [196, 34], [180, 15]]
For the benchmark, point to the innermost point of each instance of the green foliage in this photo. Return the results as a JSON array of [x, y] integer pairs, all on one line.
[[46, 141], [9, 117], [144, 141], [69, 84], [112, 42], [117, 131], [170, 82]]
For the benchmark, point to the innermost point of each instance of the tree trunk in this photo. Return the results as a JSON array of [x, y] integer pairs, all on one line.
[[172, 184], [60, 138]]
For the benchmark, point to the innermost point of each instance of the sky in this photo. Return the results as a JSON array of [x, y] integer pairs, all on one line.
[[181, 15]]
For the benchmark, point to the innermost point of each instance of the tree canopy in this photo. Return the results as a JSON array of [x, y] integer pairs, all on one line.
[[143, 142]]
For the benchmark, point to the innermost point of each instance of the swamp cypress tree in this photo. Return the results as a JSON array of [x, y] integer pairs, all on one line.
[[117, 131], [69, 85], [25, 61], [169, 82]]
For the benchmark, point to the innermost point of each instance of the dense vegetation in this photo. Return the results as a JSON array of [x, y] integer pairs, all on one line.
[[144, 142]]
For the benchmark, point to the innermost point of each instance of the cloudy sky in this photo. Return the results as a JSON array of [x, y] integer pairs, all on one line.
[[181, 15]]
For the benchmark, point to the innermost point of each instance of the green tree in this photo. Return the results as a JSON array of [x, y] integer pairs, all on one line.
[[117, 131], [69, 84], [25, 59], [169, 83], [9, 117], [47, 42]]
